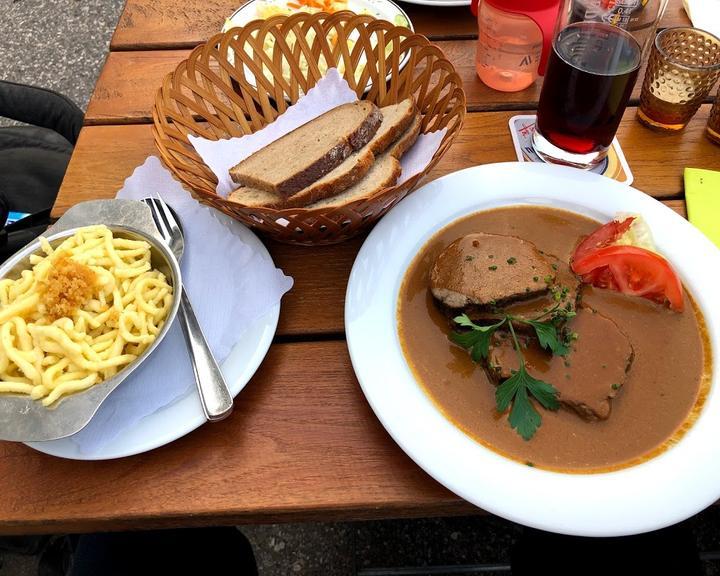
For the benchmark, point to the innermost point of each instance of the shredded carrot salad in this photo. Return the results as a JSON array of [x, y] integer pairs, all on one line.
[[323, 5]]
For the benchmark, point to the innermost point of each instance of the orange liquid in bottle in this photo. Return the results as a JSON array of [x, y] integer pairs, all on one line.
[[508, 51]]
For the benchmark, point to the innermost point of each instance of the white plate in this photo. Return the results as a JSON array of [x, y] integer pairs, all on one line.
[[185, 414], [381, 9], [662, 491]]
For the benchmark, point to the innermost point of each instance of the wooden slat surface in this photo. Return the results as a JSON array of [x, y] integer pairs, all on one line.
[[106, 155], [180, 24], [129, 80], [127, 84], [675, 15], [290, 448]]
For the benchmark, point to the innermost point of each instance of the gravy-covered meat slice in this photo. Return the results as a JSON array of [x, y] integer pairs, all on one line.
[[588, 378], [563, 291], [482, 270]]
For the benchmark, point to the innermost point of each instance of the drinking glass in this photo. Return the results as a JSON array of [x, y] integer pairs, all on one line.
[[683, 67], [597, 50]]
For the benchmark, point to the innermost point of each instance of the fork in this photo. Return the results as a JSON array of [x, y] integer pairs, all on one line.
[[216, 400]]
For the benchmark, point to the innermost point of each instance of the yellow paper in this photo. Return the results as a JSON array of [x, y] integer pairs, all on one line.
[[702, 195]]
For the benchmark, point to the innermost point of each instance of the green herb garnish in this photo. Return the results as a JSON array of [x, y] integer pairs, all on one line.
[[477, 340], [511, 260], [518, 389], [492, 268]]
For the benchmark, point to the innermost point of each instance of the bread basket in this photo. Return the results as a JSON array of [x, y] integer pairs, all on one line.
[[234, 85]]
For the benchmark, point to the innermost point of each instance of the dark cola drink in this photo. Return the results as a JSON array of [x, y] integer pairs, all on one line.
[[589, 78]]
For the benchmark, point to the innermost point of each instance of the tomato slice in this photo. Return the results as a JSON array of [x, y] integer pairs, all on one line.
[[632, 270], [606, 235]]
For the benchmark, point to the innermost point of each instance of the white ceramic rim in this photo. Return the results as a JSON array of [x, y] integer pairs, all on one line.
[[252, 15], [662, 491], [185, 414]]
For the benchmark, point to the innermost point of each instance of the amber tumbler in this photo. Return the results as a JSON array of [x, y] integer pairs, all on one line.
[[683, 67]]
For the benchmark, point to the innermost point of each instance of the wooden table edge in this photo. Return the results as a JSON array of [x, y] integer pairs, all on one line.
[[291, 514]]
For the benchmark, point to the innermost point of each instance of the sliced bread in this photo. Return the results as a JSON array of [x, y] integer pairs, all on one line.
[[255, 198], [384, 173], [407, 139], [353, 168], [309, 152], [396, 120]]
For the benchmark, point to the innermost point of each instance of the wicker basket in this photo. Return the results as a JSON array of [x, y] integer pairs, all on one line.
[[210, 95]]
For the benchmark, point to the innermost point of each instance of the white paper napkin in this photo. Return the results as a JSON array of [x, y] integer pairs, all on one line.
[[704, 14], [329, 92], [230, 285]]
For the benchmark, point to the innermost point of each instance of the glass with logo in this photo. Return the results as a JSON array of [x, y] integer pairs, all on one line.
[[597, 50]]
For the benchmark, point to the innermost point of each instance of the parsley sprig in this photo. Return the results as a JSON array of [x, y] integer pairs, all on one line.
[[516, 390]]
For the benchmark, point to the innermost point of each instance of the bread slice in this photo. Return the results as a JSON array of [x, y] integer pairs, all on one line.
[[407, 139], [255, 198], [383, 174], [356, 176], [309, 152], [396, 120], [348, 173]]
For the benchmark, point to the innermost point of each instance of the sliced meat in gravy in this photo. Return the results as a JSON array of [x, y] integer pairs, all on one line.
[[564, 290], [489, 270], [588, 378]]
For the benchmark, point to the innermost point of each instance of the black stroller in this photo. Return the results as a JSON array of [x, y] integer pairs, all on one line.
[[33, 159]]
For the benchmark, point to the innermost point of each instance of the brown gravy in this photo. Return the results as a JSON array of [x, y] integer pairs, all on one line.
[[662, 397]]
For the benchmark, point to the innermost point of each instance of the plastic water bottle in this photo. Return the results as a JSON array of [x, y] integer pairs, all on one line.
[[513, 36]]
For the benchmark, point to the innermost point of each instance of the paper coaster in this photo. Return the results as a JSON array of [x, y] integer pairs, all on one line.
[[614, 166]]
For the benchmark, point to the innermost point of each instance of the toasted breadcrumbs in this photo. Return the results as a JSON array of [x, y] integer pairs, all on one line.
[[68, 286]]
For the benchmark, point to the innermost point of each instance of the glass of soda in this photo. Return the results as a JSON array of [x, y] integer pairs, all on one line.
[[598, 46]]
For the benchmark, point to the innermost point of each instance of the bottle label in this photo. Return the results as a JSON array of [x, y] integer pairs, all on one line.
[[621, 13]]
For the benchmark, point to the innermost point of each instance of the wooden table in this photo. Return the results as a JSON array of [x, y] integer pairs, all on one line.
[[302, 443]]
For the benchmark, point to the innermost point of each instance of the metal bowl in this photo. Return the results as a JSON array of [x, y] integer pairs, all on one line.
[[26, 420]]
